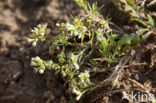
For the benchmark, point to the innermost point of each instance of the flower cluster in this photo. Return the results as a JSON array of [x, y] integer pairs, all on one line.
[[38, 33]]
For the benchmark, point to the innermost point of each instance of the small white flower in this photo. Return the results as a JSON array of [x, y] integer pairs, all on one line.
[[62, 24], [32, 30], [97, 20], [34, 44], [41, 71], [39, 25], [79, 96], [76, 33], [42, 34], [75, 20], [30, 40], [36, 58], [57, 24], [76, 91], [36, 30], [70, 27], [77, 66], [68, 24], [84, 76]]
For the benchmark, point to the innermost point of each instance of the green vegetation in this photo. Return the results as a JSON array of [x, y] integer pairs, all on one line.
[[38, 34], [129, 7], [88, 40]]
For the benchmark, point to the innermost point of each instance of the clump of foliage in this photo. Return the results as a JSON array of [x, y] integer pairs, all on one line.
[[38, 34], [88, 40], [129, 7]]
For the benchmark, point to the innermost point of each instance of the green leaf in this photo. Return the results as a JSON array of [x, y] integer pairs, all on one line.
[[126, 40], [74, 59], [49, 64], [131, 2], [151, 20], [139, 21], [61, 57], [82, 4], [93, 62], [63, 41], [35, 61]]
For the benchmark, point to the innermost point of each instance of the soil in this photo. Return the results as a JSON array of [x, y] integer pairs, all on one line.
[[18, 81]]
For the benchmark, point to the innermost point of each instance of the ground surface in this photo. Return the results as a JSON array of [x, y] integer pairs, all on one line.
[[19, 83]]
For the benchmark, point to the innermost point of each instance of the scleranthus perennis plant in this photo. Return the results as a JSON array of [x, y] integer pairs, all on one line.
[[88, 40], [38, 34]]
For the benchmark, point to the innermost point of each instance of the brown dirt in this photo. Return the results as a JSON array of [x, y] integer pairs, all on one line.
[[19, 83]]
